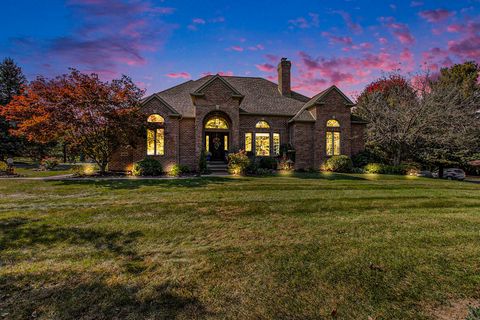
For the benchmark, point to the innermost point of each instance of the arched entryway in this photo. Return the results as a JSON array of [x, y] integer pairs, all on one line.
[[216, 136]]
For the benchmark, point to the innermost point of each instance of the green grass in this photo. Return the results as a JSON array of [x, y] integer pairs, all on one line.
[[238, 248]]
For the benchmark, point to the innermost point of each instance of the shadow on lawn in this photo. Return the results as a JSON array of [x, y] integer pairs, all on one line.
[[73, 297], [325, 176], [21, 233], [137, 183], [86, 295]]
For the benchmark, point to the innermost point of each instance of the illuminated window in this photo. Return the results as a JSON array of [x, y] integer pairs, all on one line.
[[333, 123], [155, 142], [207, 143], [276, 144], [333, 143], [225, 142], [262, 125], [262, 144], [216, 123], [155, 118], [248, 142]]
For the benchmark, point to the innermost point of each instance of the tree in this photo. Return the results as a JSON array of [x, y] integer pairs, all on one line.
[[395, 116], [94, 116], [12, 81]]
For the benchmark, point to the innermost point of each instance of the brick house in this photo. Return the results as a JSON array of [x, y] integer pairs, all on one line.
[[223, 114]]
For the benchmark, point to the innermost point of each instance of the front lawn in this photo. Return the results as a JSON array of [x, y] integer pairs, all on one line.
[[300, 247]]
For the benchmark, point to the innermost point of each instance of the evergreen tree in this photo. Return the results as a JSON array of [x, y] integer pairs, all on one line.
[[11, 82]]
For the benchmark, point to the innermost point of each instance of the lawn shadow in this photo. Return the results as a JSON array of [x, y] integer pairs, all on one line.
[[20, 233], [92, 296], [137, 183]]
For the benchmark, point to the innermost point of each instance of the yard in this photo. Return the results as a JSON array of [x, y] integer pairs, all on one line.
[[301, 247]]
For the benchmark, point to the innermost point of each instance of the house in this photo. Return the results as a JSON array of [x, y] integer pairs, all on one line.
[[228, 113]]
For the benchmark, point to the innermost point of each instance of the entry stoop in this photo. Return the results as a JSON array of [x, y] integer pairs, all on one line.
[[217, 167]]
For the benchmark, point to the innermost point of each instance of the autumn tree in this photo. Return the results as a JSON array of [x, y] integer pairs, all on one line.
[[11, 82], [94, 116], [395, 116]]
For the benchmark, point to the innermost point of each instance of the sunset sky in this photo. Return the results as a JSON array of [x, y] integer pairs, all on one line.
[[162, 43]]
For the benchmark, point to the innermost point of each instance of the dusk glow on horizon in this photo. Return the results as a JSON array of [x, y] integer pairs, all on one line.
[[159, 44]]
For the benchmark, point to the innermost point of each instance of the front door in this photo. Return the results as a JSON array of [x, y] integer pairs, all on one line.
[[217, 145]]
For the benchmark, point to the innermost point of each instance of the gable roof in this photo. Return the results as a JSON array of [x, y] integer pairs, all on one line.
[[304, 115], [199, 91]]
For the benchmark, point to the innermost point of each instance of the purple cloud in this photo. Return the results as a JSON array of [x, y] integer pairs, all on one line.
[[435, 15]]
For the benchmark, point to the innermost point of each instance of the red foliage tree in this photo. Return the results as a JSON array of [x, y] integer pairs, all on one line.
[[80, 109]]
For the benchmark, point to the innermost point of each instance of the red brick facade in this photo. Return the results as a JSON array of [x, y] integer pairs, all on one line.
[[305, 128]]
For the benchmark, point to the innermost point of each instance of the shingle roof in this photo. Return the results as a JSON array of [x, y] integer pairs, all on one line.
[[260, 96]]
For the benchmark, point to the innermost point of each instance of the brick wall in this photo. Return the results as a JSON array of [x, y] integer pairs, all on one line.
[[357, 138], [187, 143], [302, 140]]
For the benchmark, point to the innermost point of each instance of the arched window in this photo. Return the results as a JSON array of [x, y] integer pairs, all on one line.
[[262, 125], [216, 123], [155, 118], [333, 138], [155, 135]]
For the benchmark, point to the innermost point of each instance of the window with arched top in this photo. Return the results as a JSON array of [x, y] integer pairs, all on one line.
[[333, 138], [262, 125], [155, 118], [332, 123], [216, 123], [155, 135]]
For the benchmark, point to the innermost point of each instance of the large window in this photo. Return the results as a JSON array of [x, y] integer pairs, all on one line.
[[248, 142], [262, 144], [155, 142], [333, 138], [155, 135], [276, 144], [216, 123]]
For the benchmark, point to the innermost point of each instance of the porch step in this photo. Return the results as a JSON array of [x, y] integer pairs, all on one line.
[[217, 167]]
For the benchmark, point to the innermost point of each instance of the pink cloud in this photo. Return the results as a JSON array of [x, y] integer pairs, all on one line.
[[383, 40], [235, 48], [272, 58], [338, 40], [265, 67], [400, 30], [355, 27], [435, 15], [454, 28], [225, 73], [467, 48], [303, 23], [183, 75], [256, 48]]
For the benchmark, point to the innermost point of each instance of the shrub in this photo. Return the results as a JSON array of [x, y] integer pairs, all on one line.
[[373, 168], [338, 164], [179, 169], [365, 157], [203, 162], [87, 169], [49, 163], [147, 167], [238, 162], [3, 166], [267, 163], [264, 172], [285, 163]]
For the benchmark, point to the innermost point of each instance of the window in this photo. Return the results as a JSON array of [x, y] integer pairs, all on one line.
[[248, 142], [262, 125], [216, 123], [155, 142], [262, 144], [225, 142], [332, 123], [155, 118], [333, 138], [276, 144], [207, 143]]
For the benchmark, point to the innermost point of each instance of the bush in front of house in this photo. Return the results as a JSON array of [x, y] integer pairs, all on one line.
[[378, 168], [3, 166], [203, 162], [179, 169], [147, 167], [267, 163], [338, 164], [238, 163], [49, 163], [285, 163]]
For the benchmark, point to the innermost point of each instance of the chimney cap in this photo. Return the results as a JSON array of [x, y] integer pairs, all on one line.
[[284, 59]]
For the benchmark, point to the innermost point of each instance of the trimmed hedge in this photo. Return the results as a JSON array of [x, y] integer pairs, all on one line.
[[379, 168], [147, 167], [338, 164]]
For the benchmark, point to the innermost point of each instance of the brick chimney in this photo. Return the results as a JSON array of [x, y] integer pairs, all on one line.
[[284, 77]]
